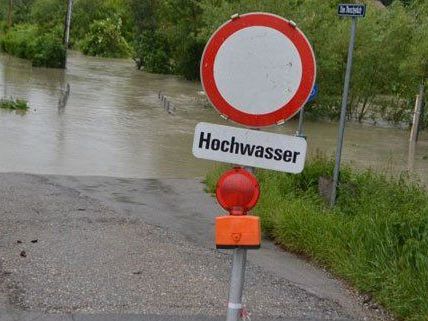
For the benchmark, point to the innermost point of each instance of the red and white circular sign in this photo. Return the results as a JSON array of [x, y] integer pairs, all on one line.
[[258, 69]]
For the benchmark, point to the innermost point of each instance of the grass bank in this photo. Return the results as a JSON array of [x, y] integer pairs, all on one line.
[[14, 104], [376, 237]]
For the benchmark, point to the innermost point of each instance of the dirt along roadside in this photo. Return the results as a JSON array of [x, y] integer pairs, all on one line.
[[143, 247]]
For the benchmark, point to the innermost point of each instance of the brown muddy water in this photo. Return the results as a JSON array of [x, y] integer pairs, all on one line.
[[115, 125]]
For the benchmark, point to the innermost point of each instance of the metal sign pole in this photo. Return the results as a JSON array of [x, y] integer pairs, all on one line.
[[343, 112], [233, 66], [300, 126], [237, 278]]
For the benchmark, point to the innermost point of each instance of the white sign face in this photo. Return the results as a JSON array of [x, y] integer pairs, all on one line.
[[249, 147], [258, 70]]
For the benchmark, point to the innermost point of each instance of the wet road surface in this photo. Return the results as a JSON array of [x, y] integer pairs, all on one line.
[[119, 246]]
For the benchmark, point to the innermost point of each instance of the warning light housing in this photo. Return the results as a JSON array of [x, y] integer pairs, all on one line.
[[237, 191], [237, 231]]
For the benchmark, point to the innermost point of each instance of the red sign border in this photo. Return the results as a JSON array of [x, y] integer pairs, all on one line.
[[291, 32]]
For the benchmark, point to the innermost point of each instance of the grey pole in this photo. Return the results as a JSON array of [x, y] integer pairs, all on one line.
[[237, 277], [343, 112], [299, 132], [67, 23]]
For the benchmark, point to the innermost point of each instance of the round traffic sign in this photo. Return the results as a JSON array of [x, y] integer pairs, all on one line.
[[258, 69], [237, 191]]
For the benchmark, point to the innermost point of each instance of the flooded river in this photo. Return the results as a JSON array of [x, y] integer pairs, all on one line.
[[114, 124]]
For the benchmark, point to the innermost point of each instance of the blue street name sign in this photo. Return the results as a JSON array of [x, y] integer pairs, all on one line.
[[313, 94], [352, 10]]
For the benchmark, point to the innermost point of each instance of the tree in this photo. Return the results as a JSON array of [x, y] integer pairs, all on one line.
[[9, 14]]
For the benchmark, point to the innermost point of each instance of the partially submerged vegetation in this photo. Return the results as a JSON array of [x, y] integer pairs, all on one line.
[[14, 104], [376, 237]]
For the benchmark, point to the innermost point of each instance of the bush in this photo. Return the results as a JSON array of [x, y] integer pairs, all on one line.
[[376, 237], [187, 58], [48, 13], [3, 27], [21, 11], [20, 41], [152, 53], [105, 39], [85, 12], [42, 49], [48, 51]]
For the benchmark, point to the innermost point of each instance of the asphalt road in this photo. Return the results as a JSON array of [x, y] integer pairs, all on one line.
[[97, 248]]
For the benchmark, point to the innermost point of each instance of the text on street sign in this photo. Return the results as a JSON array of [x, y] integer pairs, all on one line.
[[352, 10], [249, 147]]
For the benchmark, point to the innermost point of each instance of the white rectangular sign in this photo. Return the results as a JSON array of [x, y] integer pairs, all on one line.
[[249, 147], [352, 10]]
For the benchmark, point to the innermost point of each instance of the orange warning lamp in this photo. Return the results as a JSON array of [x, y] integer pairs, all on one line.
[[238, 192]]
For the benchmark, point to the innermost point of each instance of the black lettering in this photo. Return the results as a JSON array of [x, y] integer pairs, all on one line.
[[234, 146], [260, 151], [295, 156], [225, 149], [269, 153], [278, 154], [247, 149], [203, 140], [215, 145], [288, 154]]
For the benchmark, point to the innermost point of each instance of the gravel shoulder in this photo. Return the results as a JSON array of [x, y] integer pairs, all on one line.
[[95, 245]]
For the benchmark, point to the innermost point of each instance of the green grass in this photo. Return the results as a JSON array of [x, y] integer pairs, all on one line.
[[376, 237], [14, 104]]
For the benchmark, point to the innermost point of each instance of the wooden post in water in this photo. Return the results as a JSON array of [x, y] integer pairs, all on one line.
[[417, 114], [415, 128]]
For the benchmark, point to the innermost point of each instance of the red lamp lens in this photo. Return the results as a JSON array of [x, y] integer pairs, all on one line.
[[237, 191]]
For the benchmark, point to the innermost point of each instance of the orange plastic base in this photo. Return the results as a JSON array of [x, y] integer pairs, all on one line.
[[237, 231]]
